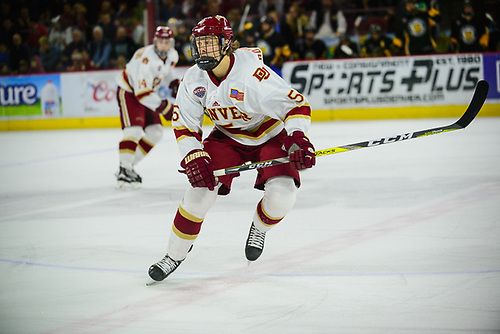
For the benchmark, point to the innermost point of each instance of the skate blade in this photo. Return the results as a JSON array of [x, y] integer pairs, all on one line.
[[151, 282], [127, 185]]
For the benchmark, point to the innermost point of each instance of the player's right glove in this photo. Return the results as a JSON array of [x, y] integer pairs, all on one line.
[[300, 151], [198, 167], [166, 108]]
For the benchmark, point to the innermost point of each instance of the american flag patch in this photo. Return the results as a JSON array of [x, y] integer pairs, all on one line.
[[237, 95]]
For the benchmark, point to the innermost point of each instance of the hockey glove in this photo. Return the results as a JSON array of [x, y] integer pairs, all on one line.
[[300, 151], [166, 108], [198, 167], [174, 86]]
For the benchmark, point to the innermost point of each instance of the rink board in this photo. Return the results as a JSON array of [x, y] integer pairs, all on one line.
[[337, 89]]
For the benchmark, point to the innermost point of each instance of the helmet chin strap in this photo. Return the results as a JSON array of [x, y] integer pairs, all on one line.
[[206, 63]]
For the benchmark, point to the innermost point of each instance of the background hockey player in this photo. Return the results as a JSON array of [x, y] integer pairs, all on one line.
[[257, 117], [141, 105], [469, 32]]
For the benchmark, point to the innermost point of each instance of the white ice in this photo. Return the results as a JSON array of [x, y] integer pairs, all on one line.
[[401, 238]]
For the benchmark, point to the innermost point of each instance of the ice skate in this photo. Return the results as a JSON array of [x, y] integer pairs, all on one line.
[[162, 269], [255, 243], [128, 178]]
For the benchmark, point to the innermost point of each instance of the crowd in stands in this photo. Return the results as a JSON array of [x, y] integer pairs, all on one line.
[[62, 35]]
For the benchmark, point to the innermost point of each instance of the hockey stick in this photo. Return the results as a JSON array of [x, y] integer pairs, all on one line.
[[475, 105]]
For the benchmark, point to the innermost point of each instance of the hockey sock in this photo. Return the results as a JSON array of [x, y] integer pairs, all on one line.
[[279, 197]]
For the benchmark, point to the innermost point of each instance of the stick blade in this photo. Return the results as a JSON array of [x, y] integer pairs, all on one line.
[[475, 105]]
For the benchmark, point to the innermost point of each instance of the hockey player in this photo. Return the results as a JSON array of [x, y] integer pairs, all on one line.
[[140, 104], [257, 116]]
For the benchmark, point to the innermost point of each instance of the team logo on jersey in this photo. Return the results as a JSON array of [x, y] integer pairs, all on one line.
[[200, 91], [236, 94], [417, 27], [468, 34]]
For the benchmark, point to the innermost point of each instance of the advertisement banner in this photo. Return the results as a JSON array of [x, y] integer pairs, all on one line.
[[89, 94], [492, 74], [93, 93], [386, 82], [35, 96]]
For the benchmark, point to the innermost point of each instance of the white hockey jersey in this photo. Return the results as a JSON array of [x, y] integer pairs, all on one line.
[[251, 104], [145, 72]]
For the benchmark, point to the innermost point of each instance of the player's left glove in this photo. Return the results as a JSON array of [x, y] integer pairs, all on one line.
[[174, 86], [166, 108], [300, 151]]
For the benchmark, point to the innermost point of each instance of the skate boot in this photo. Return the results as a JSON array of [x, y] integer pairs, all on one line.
[[128, 178], [163, 268], [255, 243]]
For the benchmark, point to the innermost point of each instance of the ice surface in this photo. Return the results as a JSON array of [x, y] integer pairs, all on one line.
[[402, 238]]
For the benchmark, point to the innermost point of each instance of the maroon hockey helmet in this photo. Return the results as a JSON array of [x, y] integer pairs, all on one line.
[[163, 32], [213, 25]]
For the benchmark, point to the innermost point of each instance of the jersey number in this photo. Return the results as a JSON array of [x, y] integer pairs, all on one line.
[[297, 97]]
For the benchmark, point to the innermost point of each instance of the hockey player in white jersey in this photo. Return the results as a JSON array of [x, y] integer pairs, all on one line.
[[140, 104], [257, 117]]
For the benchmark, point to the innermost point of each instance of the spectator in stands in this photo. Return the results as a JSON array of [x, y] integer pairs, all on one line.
[[123, 45], [99, 50], [309, 47], [182, 43], [7, 32], [23, 21], [23, 67], [49, 55], [377, 43], [120, 62], [58, 36], [292, 24], [67, 17], [168, 9], [414, 34], [234, 18], [35, 65], [36, 31], [273, 45], [77, 44], [6, 11], [18, 53], [81, 22], [79, 61], [328, 19], [138, 34], [469, 32], [108, 27], [123, 14], [106, 8], [4, 59], [266, 6], [345, 48], [191, 10]]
